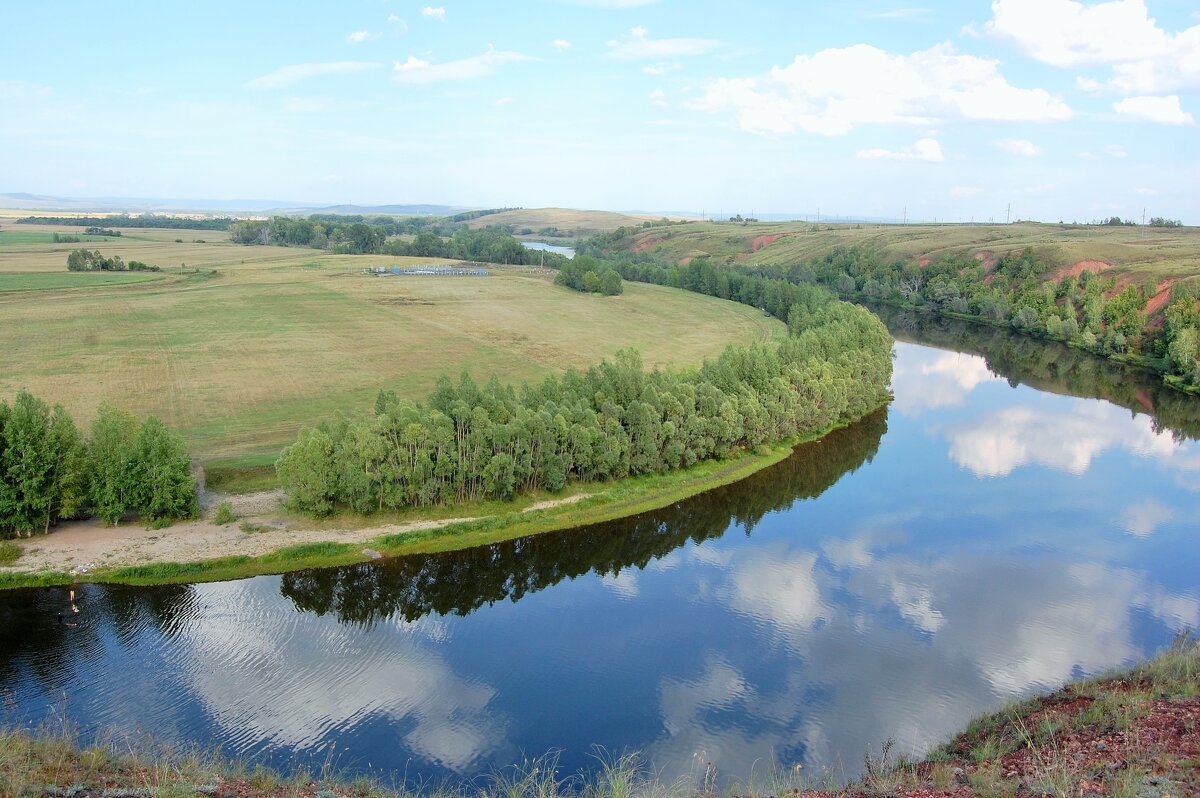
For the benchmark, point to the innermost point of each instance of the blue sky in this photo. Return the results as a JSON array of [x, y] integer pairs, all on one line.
[[953, 110]]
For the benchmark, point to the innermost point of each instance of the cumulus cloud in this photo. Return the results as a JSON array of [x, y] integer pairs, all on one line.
[[294, 73], [360, 36], [1022, 147], [398, 23], [434, 12], [836, 90], [637, 45], [999, 443], [1145, 59], [922, 150], [418, 71], [925, 379], [1163, 110], [658, 97], [562, 44]]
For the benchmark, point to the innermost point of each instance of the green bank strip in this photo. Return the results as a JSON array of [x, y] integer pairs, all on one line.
[[609, 502]]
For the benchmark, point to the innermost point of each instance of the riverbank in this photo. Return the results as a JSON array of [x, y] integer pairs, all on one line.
[[1133, 733], [268, 539]]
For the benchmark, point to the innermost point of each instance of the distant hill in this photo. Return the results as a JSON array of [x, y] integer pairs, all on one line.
[[19, 200], [378, 210], [555, 222]]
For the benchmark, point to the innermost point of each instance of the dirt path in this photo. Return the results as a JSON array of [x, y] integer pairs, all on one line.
[[85, 545]]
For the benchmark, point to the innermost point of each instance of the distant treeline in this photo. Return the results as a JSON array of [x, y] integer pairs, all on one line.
[[1017, 291], [125, 220], [488, 244], [50, 471], [84, 260], [591, 275], [613, 420]]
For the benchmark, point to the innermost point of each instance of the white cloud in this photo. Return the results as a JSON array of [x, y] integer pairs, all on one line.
[[1145, 59], [360, 36], [1116, 151], [561, 45], [1146, 192], [1143, 518], [657, 97], [964, 191], [833, 91], [294, 73], [1022, 147], [434, 12], [504, 101], [1163, 110], [398, 22], [637, 45], [417, 71], [614, 3], [922, 150]]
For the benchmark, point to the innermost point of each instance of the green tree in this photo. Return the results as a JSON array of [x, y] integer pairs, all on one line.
[[611, 284], [306, 471], [111, 462], [162, 484]]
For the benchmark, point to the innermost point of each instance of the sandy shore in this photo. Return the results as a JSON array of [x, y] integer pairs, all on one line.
[[92, 544]]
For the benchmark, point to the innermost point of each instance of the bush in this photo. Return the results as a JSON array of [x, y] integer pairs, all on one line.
[[224, 514], [9, 552]]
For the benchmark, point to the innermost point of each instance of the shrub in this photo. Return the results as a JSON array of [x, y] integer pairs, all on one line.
[[224, 514], [9, 552]]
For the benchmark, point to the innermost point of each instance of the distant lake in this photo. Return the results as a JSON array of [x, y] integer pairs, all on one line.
[[1020, 515], [544, 247]]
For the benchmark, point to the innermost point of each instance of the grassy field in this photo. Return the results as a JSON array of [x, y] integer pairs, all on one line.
[[279, 338], [576, 224], [1139, 252], [46, 281]]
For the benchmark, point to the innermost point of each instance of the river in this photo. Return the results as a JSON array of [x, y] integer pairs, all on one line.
[[996, 531], [542, 246]]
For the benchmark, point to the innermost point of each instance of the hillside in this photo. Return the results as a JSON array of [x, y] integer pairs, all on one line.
[[238, 360], [1133, 251], [555, 222]]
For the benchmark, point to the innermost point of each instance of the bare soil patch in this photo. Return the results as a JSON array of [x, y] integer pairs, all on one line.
[[1078, 268], [763, 241]]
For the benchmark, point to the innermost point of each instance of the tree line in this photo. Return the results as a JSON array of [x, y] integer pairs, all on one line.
[[1089, 311], [488, 244], [144, 221], [85, 260], [613, 420], [49, 471]]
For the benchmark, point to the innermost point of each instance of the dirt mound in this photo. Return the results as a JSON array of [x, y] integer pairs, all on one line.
[[762, 241], [1076, 269]]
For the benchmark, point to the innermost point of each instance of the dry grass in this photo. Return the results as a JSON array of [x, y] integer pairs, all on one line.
[[580, 223], [240, 361]]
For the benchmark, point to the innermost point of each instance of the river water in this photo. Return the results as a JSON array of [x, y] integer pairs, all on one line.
[[986, 537], [542, 246]]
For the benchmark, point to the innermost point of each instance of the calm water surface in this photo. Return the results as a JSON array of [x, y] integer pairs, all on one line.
[[542, 246], [976, 542]]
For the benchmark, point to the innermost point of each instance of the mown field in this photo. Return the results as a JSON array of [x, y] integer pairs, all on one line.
[[1139, 252], [278, 338]]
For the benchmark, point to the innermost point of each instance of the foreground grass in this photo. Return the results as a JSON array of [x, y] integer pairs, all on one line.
[[1135, 733], [497, 521]]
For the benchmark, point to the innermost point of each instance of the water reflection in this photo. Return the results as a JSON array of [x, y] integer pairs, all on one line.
[[984, 542], [458, 583]]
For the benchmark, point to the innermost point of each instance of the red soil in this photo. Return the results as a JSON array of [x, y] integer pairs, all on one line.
[[924, 262], [1161, 298], [988, 258], [1093, 266], [686, 260], [762, 241], [646, 244]]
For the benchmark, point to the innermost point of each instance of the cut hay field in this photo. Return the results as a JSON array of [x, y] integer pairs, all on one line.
[[570, 223], [1136, 252], [280, 338]]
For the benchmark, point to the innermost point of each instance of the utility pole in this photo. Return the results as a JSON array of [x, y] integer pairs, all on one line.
[[1143, 217], [906, 214], [1008, 214]]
